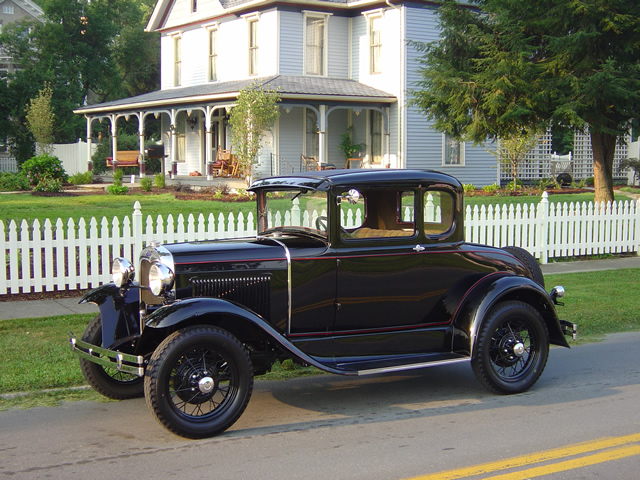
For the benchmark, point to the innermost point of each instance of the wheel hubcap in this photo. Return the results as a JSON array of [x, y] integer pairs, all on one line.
[[518, 349], [206, 385]]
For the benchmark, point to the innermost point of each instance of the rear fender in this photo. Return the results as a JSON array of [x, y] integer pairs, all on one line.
[[244, 324], [118, 310], [484, 295]]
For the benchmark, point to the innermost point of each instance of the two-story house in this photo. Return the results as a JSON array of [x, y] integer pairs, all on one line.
[[335, 63]]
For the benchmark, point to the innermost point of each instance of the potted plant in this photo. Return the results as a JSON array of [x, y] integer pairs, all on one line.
[[347, 146]]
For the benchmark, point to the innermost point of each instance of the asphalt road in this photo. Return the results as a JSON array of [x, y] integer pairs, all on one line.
[[388, 427]]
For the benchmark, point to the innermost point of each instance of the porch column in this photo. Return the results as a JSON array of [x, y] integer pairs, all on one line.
[[114, 141], [89, 160], [208, 142], [174, 157], [142, 158], [322, 151]]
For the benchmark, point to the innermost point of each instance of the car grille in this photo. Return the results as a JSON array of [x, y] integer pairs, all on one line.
[[252, 292]]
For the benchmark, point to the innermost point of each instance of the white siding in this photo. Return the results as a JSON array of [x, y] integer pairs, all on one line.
[[180, 12]]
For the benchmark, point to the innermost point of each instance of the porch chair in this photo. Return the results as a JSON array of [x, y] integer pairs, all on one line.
[[308, 164], [222, 164]]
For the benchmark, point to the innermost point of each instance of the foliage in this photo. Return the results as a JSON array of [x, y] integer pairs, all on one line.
[[510, 66], [13, 182], [117, 188], [491, 188], [81, 178], [512, 151], [159, 181], [49, 184], [40, 118], [347, 146], [255, 111], [146, 183], [468, 187], [43, 167], [88, 52]]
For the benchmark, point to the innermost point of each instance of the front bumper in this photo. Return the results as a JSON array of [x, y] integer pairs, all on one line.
[[122, 362], [569, 328]]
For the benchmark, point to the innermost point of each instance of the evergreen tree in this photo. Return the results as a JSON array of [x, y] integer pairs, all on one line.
[[516, 65]]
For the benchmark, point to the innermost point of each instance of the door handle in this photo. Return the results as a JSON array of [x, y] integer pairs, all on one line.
[[419, 248]]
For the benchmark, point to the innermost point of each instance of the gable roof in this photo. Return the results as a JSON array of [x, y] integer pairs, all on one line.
[[290, 87], [30, 7]]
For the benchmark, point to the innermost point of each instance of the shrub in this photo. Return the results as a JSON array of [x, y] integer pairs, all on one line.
[[48, 184], [81, 178], [491, 188], [468, 187], [116, 189], [159, 181], [146, 183], [43, 166], [118, 175], [590, 182], [11, 182]]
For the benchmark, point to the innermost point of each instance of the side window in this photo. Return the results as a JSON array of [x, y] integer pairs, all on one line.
[[377, 214], [438, 212]]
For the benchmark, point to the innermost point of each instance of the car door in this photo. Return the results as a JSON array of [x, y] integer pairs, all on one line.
[[384, 290]]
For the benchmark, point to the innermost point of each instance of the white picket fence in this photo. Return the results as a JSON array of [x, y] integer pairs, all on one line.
[[69, 256]]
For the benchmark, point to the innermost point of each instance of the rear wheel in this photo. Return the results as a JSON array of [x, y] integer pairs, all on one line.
[[108, 381], [512, 348], [529, 262], [199, 381]]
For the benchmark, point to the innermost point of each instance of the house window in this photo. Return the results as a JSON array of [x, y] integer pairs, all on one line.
[[315, 45], [253, 47], [375, 136], [311, 134], [453, 152], [194, 6], [181, 137], [375, 44], [8, 9], [213, 55], [177, 61]]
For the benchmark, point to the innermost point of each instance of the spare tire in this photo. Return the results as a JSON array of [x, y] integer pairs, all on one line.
[[529, 261]]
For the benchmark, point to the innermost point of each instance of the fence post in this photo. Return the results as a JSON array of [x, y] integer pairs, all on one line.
[[136, 220], [637, 232], [542, 220]]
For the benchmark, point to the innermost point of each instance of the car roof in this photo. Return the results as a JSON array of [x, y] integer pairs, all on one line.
[[325, 179]]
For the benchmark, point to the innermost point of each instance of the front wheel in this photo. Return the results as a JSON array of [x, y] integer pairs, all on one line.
[[511, 349], [105, 380], [199, 381]]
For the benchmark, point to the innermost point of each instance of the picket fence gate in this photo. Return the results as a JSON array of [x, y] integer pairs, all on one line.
[[59, 256]]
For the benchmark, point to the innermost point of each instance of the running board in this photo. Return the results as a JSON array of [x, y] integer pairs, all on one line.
[[413, 366]]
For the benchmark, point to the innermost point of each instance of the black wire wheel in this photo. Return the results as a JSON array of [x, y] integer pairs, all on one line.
[[199, 381], [107, 381], [512, 348]]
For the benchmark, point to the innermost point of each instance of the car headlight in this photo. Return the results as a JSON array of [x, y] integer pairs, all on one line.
[[122, 272], [160, 279]]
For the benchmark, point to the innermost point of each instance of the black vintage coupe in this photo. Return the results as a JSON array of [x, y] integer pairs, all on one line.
[[356, 272]]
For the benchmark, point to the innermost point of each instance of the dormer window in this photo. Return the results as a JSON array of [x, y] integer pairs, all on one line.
[[194, 6]]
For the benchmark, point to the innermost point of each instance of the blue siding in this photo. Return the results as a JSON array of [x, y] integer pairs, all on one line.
[[423, 144], [291, 45], [291, 136], [338, 48]]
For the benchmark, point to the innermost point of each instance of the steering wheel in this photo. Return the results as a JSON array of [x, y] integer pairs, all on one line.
[[321, 223]]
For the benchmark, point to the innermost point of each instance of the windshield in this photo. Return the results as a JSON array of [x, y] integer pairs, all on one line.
[[302, 211]]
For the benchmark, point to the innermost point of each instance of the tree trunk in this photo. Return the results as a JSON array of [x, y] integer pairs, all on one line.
[[604, 149]]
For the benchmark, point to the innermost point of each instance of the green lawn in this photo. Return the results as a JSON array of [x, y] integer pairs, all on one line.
[[27, 207]]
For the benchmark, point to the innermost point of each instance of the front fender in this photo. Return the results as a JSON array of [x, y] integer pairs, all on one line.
[[482, 297], [205, 310], [118, 310]]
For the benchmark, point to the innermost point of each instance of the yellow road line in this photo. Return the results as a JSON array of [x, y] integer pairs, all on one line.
[[607, 456], [530, 459]]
